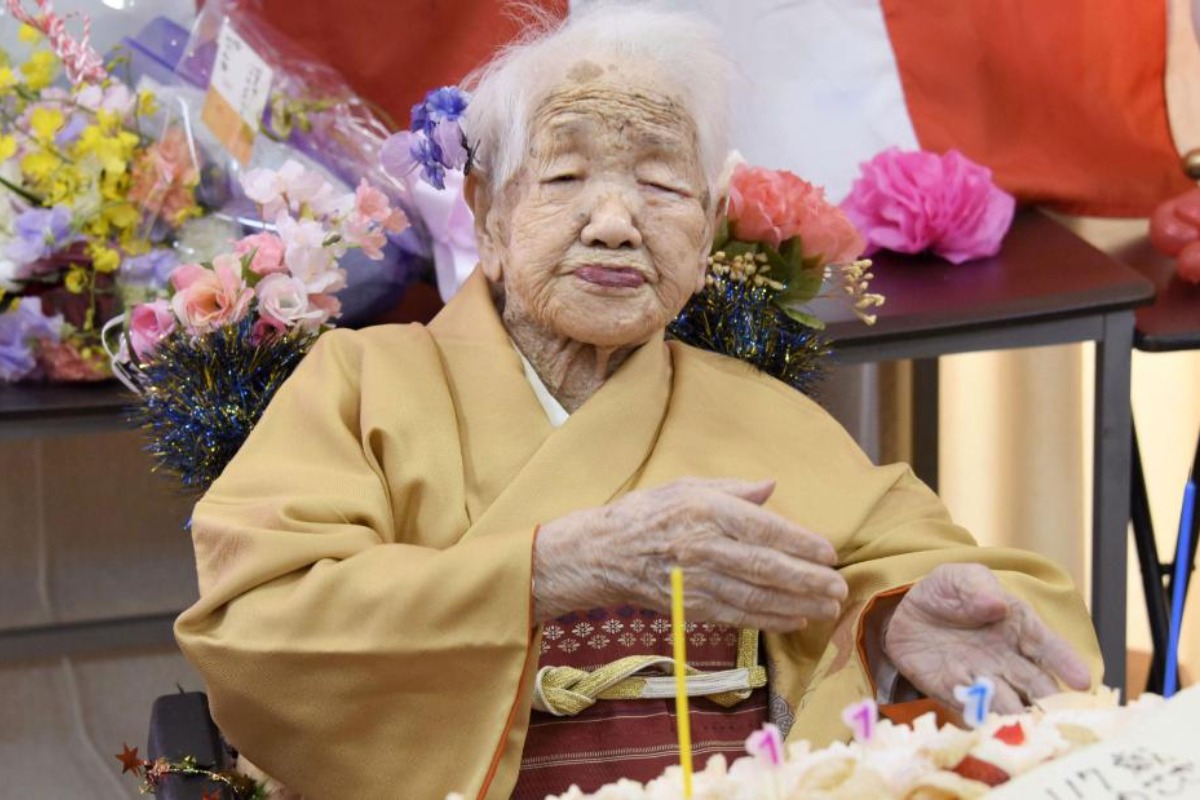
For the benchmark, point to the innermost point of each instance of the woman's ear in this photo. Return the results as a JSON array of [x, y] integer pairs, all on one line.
[[477, 193]]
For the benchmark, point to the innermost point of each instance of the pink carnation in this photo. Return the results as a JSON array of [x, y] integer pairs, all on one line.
[[915, 201], [149, 324], [205, 299], [773, 206], [268, 253]]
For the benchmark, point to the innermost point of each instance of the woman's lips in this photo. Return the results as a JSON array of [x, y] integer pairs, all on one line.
[[611, 276]]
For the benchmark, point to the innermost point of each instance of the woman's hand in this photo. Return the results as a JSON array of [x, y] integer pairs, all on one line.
[[744, 566], [958, 623]]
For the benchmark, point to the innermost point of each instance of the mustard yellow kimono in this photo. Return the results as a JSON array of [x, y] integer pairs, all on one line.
[[364, 624]]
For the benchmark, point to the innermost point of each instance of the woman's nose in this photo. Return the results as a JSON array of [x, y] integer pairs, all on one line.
[[611, 224]]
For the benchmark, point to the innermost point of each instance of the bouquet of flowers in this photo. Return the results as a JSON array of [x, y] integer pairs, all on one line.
[[86, 199], [235, 327], [775, 252]]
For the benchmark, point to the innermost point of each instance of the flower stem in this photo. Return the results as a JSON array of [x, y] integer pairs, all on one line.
[[32, 198]]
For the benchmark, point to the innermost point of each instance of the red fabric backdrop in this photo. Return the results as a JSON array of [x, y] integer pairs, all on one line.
[[393, 51], [1063, 99]]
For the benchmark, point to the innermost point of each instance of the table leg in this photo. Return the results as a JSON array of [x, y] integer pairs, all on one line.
[[925, 420], [1110, 491]]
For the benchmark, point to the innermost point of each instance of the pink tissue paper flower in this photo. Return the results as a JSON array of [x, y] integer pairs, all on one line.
[[268, 252], [773, 206], [206, 299], [149, 324], [910, 202]]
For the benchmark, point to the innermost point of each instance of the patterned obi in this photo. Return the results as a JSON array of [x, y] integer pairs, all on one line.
[[604, 701]]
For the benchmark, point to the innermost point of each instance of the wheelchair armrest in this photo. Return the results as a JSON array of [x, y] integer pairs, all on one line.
[[180, 725]]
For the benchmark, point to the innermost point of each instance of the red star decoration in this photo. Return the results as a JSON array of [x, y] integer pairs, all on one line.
[[129, 759]]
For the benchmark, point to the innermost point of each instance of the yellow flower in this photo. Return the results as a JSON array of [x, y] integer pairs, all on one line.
[[112, 150], [147, 103], [8, 147], [45, 123], [121, 216], [104, 259], [28, 33], [65, 186], [77, 279], [40, 164], [40, 70], [7, 79]]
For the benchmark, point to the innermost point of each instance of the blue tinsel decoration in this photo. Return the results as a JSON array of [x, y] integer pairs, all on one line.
[[201, 396], [741, 320]]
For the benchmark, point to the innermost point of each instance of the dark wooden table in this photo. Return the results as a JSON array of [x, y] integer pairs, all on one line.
[[1046, 286], [49, 410], [1172, 323]]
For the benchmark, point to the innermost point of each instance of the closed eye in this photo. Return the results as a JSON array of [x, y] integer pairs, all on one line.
[[663, 187], [566, 177]]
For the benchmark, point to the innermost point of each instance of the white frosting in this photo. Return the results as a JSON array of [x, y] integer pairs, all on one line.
[[898, 759]]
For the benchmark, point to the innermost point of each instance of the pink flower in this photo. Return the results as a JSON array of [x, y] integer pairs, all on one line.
[[915, 201], [149, 324], [358, 232], [370, 202], [306, 255], [268, 253], [283, 302], [773, 206], [206, 299]]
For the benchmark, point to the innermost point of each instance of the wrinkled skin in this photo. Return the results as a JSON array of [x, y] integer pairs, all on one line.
[[592, 247], [958, 623], [599, 239]]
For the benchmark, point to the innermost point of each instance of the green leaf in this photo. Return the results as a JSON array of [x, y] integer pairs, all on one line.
[[721, 235], [801, 286], [777, 263], [803, 317], [735, 247]]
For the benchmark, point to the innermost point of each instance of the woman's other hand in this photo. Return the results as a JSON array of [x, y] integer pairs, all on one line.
[[958, 623], [744, 566]]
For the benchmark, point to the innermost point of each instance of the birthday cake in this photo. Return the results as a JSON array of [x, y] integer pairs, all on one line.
[[927, 761]]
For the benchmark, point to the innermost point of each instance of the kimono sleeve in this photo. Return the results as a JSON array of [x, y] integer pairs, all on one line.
[[340, 659]]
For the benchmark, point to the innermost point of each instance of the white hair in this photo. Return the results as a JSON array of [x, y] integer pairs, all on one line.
[[507, 91]]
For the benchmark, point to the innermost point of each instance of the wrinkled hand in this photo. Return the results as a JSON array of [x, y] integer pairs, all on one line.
[[958, 623], [743, 565]]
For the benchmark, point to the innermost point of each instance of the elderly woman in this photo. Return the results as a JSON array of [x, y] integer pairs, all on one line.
[[440, 562]]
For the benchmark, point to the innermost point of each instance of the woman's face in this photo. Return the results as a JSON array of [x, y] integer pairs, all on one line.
[[602, 234]]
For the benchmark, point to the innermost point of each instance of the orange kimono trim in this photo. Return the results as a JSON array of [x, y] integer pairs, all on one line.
[[901, 713]]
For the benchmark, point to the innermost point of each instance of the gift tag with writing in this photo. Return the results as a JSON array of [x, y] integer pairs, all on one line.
[[237, 94]]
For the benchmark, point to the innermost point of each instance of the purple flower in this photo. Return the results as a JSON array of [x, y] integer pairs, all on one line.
[[39, 232], [71, 130], [451, 143], [403, 152], [150, 269], [20, 327], [441, 105]]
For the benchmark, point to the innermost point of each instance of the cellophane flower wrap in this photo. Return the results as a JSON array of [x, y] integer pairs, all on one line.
[[914, 201], [90, 199], [311, 116], [207, 358], [774, 252], [430, 159]]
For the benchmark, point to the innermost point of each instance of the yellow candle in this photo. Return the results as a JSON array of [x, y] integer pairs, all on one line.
[[682, 720]]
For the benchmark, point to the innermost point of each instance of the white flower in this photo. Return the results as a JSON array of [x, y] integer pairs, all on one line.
[[306, 256], [283, 301], [8, 271]]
